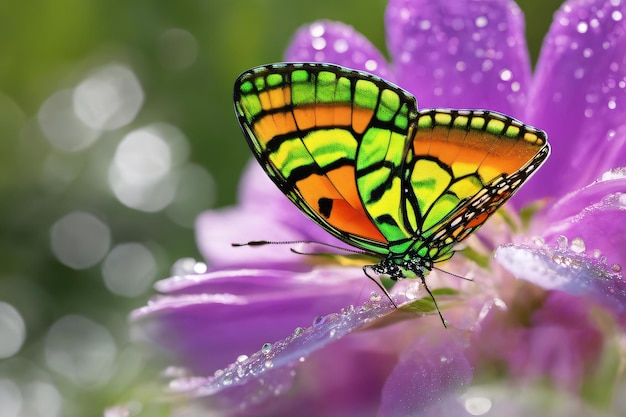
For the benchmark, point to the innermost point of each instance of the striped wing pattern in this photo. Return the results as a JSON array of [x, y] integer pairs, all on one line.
[[354, 154], [306, 124]]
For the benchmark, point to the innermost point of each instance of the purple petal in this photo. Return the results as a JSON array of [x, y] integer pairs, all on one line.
[[432, 369], [593, 218], [256, 380], [336, 43], [216, 230], [462, 54], [579, 96], [211, 319], [565, 270]]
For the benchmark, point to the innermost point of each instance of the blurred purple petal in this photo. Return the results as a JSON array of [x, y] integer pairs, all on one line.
[[434, 367], [593, 218], [216, 230], [565, 270], [336, 43], [579, 95], [559, 339], [461, 54]]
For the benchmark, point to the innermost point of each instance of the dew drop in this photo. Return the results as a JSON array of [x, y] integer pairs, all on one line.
[[561, 242], [298, 331], [371, 65], [425, 24], [505, 75], [242, 358], [616, 268], [332, 332], [582, 27], [616, 15], [478, 406], [538, 240], [443, 359], [318, 43], [596, 253], [577, 245], [375, 297], [481, 21], [318, 321], [340, 46], [612, 104], [579, 73], [268, 364], [266, 349], [316, 30], [241, 372]]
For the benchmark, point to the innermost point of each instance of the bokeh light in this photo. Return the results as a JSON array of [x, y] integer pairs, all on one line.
[[61, 126], [177, 48], [81, 350], [129, 269], [10, 398], [12, 330], [80, 240], [109, 98]]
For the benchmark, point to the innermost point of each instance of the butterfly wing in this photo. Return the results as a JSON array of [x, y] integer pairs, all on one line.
[[462, 166], [305, 124]]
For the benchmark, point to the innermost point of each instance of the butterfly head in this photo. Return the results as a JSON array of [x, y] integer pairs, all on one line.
[[407, 266]]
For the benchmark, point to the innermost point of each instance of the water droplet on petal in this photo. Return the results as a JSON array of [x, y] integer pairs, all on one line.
[[298, 331], [268, 364], [316, 30], [318, 321], [582, 27], [616, 268], [561, 242], [616, 15], [242, 358], [375, 297], [481, 21], [505, 75], [266, 349], [577, 245]]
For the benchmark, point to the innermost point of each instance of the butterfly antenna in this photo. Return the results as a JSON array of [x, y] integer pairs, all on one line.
[[296, 242], [379, 285], [454, 275]]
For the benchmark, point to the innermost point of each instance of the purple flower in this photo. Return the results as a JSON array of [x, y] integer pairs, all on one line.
[[316, 354]]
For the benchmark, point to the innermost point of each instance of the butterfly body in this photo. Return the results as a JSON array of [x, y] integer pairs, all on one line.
[[355, 154]]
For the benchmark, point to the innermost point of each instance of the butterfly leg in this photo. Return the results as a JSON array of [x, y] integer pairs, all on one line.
[[378, 283]]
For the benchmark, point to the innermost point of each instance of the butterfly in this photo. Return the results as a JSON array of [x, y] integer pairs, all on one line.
[[353, 152]]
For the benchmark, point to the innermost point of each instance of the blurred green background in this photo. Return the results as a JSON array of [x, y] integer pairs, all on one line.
[[99, 203]]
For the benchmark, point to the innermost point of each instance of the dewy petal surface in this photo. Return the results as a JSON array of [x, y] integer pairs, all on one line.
[[208, 320], [562, 269], [592, 218], [433, 368], [579, 96], [336, 43], [460, 53], [232, 387]]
